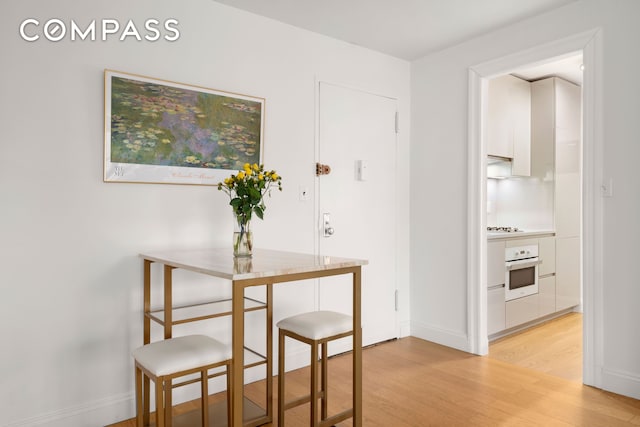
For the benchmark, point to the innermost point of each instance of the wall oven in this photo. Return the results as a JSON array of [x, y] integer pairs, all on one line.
[[521, 278]]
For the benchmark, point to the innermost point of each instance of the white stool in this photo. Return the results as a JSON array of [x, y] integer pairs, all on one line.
[[314, 328], [163, 361]]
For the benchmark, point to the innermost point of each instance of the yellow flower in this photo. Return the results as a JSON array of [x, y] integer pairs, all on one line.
[[244, 188]]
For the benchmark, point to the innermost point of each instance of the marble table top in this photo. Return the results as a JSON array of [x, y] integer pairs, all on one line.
[[220, 262]]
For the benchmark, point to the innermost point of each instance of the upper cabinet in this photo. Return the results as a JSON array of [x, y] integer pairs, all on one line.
[[509, 122], [556, 123]]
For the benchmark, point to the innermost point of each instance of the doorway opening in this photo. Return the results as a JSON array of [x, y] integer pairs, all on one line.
[[590, 44], [533, 143]]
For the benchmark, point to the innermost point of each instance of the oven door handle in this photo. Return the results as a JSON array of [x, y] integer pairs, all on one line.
[[517, 265]]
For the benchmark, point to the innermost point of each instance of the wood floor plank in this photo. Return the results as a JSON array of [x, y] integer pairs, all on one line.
[[414, 383]]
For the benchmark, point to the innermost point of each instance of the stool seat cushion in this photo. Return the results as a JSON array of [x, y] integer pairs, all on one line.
[[180, 354], [317, 325]]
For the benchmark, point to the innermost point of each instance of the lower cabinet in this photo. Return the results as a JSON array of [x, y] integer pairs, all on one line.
[[546, 295], [567, 272], [558, 282], [521, 310], [495, 309]]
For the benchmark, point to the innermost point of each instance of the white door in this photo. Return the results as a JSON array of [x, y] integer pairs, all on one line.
[[357, 131]]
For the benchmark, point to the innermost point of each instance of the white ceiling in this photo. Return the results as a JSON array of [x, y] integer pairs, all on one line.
[[408, 29], [411, 29]]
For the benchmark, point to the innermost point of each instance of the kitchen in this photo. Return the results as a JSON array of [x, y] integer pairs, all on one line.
[[533, 212]]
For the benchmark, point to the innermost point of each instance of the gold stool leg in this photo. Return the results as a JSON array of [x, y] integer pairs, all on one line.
[[204, 380], [314, 384], [146, 398], [159, 402], [229, 395], [324, 385], [168, 403], [139, 402]]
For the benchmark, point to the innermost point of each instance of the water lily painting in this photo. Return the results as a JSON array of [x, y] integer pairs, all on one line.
[[163, 132]]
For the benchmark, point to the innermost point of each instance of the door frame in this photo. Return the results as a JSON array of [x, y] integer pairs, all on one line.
[[318, 80], [590, 43]]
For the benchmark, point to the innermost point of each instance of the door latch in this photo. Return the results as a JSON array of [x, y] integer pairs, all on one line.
[[322, 169], [327, 229]]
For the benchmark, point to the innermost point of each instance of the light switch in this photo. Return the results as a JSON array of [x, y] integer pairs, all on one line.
[[362, 170]]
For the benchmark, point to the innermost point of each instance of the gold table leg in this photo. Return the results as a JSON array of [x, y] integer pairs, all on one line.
[[357, 349], [237, 362]]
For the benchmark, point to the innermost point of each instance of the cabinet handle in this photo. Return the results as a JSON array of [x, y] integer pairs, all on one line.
[[495, 287]]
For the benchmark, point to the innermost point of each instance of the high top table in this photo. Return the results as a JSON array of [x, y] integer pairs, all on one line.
[[264, 268]]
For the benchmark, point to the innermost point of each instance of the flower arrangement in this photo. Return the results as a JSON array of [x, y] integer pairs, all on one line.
[[246, 191]]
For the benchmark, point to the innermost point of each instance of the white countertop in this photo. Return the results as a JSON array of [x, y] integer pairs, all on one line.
[[491, 235]]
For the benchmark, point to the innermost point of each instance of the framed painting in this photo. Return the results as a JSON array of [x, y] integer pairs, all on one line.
[[158, 131]]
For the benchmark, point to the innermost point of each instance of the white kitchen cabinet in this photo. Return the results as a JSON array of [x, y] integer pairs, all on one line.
[[568, 287], [568, 154], [509, 122], [567, 205], [521, 310], [546, 276], [495, 287], [495, 309], [567, 194], [546, 295], [495, 264], [543, 131], [556, 139], [547, 254]]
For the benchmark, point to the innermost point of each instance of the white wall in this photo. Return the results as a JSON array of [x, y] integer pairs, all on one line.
[[439, 131], [71, 279]]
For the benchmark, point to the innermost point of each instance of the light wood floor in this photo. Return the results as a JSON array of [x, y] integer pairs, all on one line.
[[415, 383], [554, 347]]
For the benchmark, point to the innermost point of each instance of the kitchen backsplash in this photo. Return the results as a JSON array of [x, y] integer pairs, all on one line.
[[525, 203]]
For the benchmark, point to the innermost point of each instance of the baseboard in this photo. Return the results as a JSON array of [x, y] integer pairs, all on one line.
[[96, 413], [444, 337], [621, 382]]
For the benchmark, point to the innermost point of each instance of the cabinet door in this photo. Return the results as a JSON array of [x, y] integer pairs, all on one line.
[[547, 253], [521, 310], [495, 310], [499, 136], [543, 129], [495, 264], [568, 286], [520, 100], [568, 154], [547, 295]]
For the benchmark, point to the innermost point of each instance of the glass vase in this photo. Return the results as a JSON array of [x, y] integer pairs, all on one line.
[[242, 239]]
